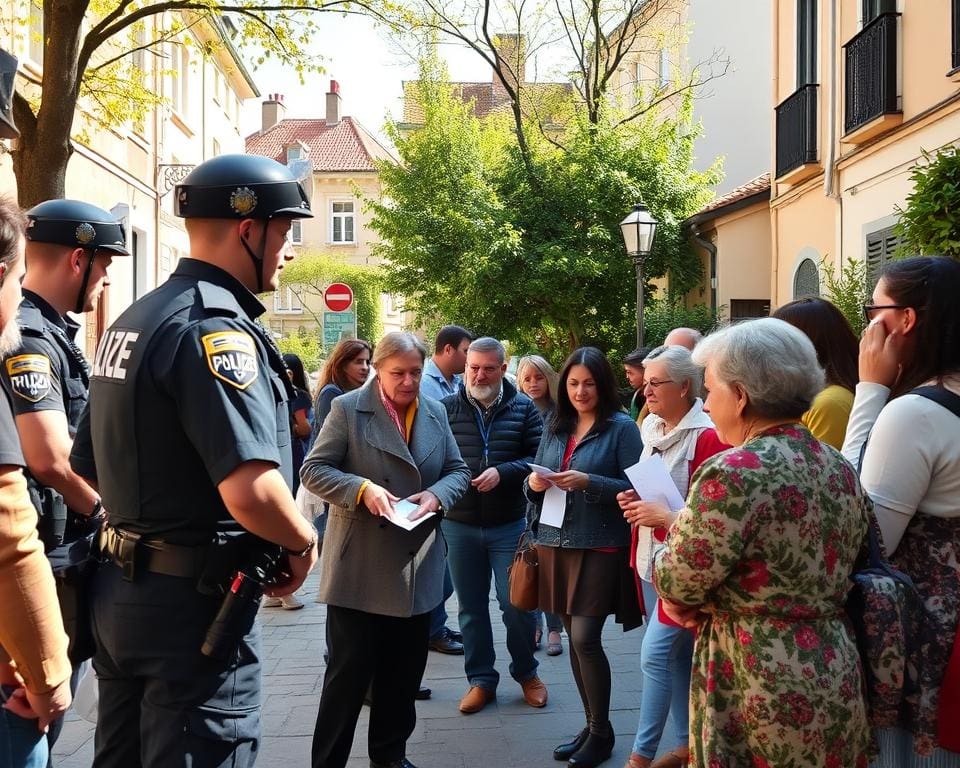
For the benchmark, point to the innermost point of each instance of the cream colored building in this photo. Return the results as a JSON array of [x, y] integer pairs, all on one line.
[[862, 86], [131, 168], [343, 156]]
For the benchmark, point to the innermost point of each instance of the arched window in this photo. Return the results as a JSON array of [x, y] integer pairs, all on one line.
[[806, 281]]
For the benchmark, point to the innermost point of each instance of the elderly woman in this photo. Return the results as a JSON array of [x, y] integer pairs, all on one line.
[[682, 434], [584, 574], [759, 560], [380, 444], [909, 383]]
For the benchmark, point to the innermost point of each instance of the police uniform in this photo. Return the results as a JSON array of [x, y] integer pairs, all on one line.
[[186, 387]]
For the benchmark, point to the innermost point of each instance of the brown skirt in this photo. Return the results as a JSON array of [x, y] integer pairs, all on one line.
[[585, 582]]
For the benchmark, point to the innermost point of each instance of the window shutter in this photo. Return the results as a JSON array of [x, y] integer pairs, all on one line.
[[806, 281]]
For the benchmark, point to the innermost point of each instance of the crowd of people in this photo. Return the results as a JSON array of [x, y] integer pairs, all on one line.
[[142, 527]]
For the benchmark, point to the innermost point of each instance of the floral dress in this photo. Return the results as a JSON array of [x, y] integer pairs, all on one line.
[[765, 546]]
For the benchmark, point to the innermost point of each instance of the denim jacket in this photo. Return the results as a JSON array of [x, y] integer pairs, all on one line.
[[593, 517]]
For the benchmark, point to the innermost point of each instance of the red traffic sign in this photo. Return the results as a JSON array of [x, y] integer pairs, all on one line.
[[338, 297]]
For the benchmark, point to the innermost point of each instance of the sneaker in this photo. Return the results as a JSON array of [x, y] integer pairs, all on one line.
[[290, 603], [272, 602]]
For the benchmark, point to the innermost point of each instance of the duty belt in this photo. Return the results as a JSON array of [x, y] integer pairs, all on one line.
[[131, 552]]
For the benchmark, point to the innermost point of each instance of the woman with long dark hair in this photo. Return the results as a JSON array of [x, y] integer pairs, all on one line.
[[907, 408], [347, 368], [837, 349], [585, 574]]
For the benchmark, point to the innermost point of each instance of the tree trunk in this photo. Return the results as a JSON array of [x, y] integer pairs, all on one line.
[[44, 149]]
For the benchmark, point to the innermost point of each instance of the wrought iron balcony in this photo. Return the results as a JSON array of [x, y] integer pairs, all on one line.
[[871, 72], [797, 129]]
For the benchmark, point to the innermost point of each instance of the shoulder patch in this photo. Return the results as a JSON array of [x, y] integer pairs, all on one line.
[[29, 376], [232, 357]]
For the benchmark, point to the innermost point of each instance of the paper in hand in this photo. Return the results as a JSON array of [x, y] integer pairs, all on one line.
[[652, 482], [400, 516]]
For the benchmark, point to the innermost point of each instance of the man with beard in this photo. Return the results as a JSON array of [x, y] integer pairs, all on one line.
[[498, 431], [34, 666]]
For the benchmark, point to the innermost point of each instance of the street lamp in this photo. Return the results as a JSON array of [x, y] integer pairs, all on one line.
[[639, 229]]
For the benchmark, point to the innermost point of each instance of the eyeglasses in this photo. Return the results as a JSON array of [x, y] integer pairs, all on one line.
[[869, 309], [654, 384]]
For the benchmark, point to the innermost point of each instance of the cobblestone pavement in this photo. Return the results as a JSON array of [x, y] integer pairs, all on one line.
[[507, 734]]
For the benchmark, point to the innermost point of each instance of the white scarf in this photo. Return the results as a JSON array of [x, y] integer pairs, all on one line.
[[677, 448]]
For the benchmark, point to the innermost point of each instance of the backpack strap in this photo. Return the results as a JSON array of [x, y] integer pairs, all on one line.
[[941, 396]]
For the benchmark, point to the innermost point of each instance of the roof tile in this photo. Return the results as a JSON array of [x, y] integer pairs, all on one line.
[[346, 146]]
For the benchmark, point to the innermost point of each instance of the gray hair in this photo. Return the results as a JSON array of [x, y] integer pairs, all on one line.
[[397, 343], [773, 361], [684, 337], [488, 344], [680, 367]]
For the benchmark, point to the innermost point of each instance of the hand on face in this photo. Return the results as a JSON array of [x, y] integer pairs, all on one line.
[[881, 354]]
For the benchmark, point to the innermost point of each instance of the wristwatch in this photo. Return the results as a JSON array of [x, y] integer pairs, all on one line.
[[306, 550]]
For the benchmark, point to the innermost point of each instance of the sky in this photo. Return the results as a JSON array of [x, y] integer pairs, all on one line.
[[369, 68]]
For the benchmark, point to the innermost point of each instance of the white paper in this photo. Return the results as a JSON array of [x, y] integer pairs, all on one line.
[[652, 482], [544, 472], [554, 507], [400, 516]]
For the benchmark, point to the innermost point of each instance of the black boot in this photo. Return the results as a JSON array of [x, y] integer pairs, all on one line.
[[564, 751], [595, 750]]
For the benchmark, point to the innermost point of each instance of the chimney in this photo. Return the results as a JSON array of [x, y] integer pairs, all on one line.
[[333, 104], [511, 52], [271, 112]]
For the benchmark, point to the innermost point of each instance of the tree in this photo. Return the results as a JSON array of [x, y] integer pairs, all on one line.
[[88, 61], [930, 224], [472, 238], [847, 290], [309, 275], [304, 345]]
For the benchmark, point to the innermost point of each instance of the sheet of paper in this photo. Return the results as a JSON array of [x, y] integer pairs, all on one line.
[[554, 507], [401, 515], [652, 482], [544, 472]]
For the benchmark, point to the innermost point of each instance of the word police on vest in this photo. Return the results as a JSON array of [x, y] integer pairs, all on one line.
[[29, 376], [232, 357], [112, 354]]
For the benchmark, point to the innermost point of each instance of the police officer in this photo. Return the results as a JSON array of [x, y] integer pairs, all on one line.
[[70, 245], [188, 438]]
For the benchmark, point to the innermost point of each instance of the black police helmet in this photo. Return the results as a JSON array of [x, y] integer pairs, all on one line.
[[76, 224], [241, 187]]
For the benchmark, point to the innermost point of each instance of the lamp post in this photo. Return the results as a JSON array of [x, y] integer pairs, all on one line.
[[639, 229]]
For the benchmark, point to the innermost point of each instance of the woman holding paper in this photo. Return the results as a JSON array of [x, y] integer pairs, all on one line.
[[584, 573], [759, 561], [682, 435], [379, 445]]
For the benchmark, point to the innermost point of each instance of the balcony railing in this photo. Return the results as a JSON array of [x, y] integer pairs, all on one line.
[[871, 72], [797, 129]]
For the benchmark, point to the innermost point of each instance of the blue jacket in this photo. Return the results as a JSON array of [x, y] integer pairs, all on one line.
[[593, 518], [513, 436]]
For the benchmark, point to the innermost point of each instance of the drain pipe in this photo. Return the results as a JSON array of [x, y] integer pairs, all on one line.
[[711, 249], [830, 157]]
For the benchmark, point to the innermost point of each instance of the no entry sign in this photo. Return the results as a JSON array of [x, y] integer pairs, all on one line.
[[338, 297]]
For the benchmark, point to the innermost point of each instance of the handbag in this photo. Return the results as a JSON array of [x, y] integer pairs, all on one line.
[[523, 574], [885, 609]]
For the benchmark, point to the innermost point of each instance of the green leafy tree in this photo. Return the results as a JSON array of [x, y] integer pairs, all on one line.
[[930, 223], [472, 237], [305, 345], [89, 63], [309, 275], [846, 289], [663, 313]]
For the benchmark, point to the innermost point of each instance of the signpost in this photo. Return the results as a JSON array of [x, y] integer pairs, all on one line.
[[339, 322]]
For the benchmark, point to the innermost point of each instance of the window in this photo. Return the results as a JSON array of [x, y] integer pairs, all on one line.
[[873, 8], [214, 148], [217, 85], [36, 32], [806, 281], [286, 300], [806, 42], [664, 72], [294, 152], [180, 78], [746, 309], [341, 222], [296, 232], [955, 33], [881, 247], [138, 63]]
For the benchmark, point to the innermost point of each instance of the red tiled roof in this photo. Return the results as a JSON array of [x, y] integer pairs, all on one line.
[[752, 187], [346, 146]]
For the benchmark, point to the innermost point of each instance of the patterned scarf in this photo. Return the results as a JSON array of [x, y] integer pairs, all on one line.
[[391, 410]]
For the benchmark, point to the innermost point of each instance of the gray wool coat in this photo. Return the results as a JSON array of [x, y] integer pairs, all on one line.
[[366, 563]]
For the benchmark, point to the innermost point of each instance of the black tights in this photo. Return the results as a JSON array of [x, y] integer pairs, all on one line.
[[591, 670]]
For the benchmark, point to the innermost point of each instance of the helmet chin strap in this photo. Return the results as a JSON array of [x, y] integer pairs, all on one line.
[[81, 296], [257, 260]]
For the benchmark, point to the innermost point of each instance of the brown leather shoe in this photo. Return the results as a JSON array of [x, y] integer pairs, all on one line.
[[678, 758], [534, 692], [637, 761], [476, 699]]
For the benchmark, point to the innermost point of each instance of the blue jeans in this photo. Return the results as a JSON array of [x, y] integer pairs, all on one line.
[[21, 743], [666, 658], [473, 552], [438, 616]]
